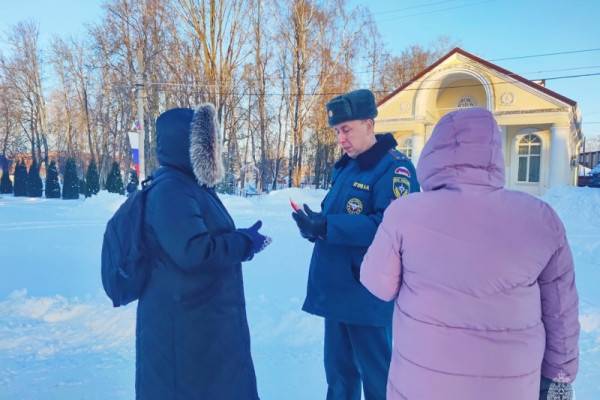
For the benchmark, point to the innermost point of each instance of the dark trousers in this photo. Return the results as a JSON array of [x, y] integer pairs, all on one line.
[[356, 354]]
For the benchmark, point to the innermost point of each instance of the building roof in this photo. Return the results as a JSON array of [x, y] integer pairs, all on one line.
[[487, 64]]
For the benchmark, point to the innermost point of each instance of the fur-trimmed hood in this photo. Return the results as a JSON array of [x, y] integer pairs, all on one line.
[[205, 146], [189, 140]]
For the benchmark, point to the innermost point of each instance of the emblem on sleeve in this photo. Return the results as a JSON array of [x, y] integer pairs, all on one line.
[[354, 206], [400, 186]]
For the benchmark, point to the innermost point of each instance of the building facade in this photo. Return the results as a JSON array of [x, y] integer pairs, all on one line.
[[541, 129]]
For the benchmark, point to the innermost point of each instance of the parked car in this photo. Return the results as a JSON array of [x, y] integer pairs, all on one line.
[[595, 177]]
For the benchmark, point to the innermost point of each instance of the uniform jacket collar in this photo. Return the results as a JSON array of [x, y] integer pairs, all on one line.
[[371, 157]]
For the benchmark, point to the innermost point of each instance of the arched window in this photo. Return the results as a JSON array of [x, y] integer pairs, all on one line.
[[466, 102], [406, 148], [529, 152]]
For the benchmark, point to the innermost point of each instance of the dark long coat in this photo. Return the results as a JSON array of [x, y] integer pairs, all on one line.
[[192, 336]]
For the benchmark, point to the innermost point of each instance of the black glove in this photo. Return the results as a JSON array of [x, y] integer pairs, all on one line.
[[312, 225], [258, 242], [551, 390]]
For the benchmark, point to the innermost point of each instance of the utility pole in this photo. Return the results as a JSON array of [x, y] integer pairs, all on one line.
[[139, 86]]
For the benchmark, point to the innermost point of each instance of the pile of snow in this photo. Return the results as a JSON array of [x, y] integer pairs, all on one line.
[[579, 209], [60, 338]]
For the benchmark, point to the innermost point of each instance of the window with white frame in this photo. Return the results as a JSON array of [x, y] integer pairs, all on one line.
[[406, 148], [466, 102], [529, 152]]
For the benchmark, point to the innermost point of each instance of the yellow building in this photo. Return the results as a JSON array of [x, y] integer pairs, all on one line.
[[541, 129]]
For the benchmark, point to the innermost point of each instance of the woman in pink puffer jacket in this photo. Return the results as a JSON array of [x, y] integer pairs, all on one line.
[[482, 277]]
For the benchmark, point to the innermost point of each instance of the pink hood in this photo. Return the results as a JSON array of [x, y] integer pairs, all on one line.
[[465, 148]]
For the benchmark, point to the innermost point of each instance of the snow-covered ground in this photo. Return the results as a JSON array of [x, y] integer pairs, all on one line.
[[61, 339]]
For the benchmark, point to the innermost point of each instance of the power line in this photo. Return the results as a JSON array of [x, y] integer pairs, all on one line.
[[434, 11], [562, 69], [572, 76], [379, 91], [416, 70], [413, 7], [547, 54], [277, 77], [512, 74]]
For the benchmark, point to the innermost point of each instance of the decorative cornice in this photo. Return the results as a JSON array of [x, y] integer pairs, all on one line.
[[535, 111]]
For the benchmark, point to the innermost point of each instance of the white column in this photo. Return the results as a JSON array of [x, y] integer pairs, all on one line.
[[503, 134], [506, 154], [428, 131], [418, 142], [560, 168]]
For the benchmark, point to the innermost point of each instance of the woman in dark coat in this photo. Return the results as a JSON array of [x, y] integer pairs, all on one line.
[[192, 337]]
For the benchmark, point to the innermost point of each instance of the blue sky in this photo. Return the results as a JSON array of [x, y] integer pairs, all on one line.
[[509, 28], [490, 29]]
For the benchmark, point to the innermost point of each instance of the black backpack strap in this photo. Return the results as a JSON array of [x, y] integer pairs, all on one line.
[[152, 244]]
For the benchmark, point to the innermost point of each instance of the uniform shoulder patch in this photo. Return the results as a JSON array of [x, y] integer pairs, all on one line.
[[400, 186]]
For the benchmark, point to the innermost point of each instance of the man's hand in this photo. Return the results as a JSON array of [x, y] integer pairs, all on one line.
[[312, 225]]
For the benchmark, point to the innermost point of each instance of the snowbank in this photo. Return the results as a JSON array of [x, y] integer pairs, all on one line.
[[61, 339]]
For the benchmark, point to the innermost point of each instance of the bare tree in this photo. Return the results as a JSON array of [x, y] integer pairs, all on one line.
[[260, 68], [268, 66], [218, 37], [397, 70], [11, 142], [23, 73]]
